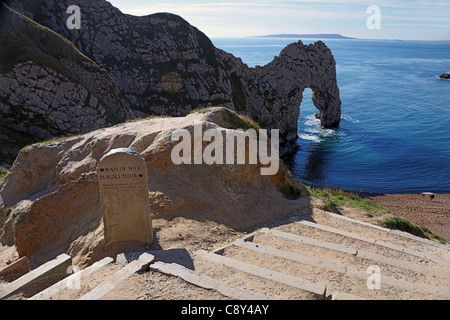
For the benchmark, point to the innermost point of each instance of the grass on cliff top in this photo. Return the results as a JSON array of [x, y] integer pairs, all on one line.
[[336, 199], [148, 118], [402, 224], [237, 121], [22, 39], [52, 140]]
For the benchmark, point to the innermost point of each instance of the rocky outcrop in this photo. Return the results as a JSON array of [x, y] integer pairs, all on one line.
[[49, 202], [445, 76], [165, 66], [48, 88], [272, 94]]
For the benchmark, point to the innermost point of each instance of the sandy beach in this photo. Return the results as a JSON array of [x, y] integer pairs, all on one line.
[[420, 210]]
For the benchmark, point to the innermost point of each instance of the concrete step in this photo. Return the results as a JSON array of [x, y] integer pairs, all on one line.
[[424, 291], [142, 264], [248, 274], [377, 242], [42, 276], [362, 243], [290, 256], [73, 284], [206, 282], [347, 255], [374, 231], [345, 296], [336, 277], [15, 270], [310, 241]]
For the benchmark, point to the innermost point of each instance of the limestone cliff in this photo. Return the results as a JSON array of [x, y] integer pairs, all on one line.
[[49, 202], [165, 66], [48, 88]]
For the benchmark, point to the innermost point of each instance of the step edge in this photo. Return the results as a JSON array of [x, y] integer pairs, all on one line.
[[293, 256], [391, 231], [379, 242], [63, 260], [118, 277], [48, 293], [317, 289], [202, 281]]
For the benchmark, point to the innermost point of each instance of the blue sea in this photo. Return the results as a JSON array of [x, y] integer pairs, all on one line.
[[394, 136]]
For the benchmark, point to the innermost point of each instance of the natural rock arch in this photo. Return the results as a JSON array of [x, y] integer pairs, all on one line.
[[274, 92], [164, 66]]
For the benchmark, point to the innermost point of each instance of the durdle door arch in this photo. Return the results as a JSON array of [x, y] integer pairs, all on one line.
[[274, 92]]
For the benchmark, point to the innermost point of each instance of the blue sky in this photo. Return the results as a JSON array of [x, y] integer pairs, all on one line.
[[405, 19]]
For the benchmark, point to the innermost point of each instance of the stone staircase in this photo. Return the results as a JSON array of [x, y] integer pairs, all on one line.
[[334, 257]]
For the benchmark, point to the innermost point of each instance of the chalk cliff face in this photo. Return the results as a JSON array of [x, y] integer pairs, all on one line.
[[272, 94], [163, 65], [48, 88]]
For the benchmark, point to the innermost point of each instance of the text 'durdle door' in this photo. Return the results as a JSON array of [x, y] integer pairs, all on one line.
[[123, 184]]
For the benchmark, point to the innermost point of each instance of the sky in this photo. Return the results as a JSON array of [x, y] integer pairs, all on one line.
[[373, 19]]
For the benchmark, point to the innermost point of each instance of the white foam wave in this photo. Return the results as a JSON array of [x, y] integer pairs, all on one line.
[[349, 118], [310, 137], [312, 130], [311, 121]]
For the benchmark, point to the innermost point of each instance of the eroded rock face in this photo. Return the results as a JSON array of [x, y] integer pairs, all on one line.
[[273, 93], [53, 196], [165, 66], [35, 93], [48, 88]]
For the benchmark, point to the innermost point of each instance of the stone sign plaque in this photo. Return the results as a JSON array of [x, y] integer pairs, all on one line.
[[123, 183]]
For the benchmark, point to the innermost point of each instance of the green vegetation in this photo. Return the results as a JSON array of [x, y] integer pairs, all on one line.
[[17, 214], [291, 191], [26, 40], [3, 173], [402, 224], [60, 139], [148, 118], [335, 199], [240, 121], [209, 51], [7, 211], [239, 99], [237, 121]]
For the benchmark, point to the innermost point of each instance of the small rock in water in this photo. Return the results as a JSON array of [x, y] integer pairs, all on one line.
[[445, 76]]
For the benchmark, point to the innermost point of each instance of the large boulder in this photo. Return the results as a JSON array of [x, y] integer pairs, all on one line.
[[50, 199]]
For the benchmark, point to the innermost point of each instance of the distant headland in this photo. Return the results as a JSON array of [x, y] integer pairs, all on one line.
[[306, 36]]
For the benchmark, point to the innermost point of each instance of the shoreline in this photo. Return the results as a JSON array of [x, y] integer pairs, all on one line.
[[366, 194]]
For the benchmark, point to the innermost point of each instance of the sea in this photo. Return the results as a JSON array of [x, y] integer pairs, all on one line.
[[394, 135]]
